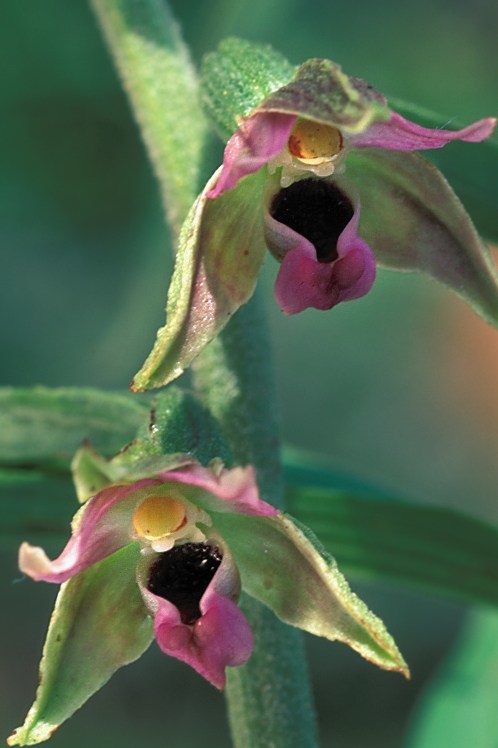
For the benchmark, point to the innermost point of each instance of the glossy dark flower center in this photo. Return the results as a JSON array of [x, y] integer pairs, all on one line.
[[317, 210], [183, 574]]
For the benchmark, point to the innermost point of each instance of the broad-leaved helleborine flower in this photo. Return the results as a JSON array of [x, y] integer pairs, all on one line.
[[164, 554], [321, 171], [311, 212]]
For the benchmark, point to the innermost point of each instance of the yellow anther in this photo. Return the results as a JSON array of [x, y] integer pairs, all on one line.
[[158, 516], [313, 143]]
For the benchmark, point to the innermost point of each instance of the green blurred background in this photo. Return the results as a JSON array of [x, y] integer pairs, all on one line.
[[398, 387]]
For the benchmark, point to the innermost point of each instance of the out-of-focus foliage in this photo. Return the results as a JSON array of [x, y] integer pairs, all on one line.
[[459, 708]]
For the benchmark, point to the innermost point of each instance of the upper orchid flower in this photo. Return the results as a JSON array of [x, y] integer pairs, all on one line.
[[307, 150], [311, 211], [162, 550]]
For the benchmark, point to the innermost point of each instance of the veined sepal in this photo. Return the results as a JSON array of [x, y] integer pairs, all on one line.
[[413, 220], [301, 583], [220, 254], [320, 91]]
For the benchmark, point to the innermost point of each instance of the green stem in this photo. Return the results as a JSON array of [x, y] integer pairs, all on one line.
[[158, 76], [269, 699]]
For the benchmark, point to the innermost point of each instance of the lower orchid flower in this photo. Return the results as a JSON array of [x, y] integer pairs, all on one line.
[[319, 170], [164, 554]]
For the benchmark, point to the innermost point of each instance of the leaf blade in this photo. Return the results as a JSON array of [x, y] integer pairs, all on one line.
[[46, 426], [436, 549]]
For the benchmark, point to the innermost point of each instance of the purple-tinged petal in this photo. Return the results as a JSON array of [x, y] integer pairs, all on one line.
[[303, 282], [399, 134], [232, 490], [219, 638], [356, 267], [222, 637], [100, 528], [258, 139]]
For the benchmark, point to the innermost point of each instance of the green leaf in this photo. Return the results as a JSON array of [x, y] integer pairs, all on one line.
[[221, 250], [459, 707], [283, 566], [413, 220], [99, 624], [46, 426], [35, 504], [471, 169], [236, 78], [439, 550], [307, 469], [321, 92]]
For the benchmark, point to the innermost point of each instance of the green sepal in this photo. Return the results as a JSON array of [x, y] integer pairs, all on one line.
[[220, 254], [236, 78], [90, 472], [321, 92], [99, 624], [413, 220], [288, 570]]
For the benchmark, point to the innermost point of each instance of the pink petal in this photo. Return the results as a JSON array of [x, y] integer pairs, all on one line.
[[258, 139], [399, 134], [232, 490], [221, 637], [303, 282], [102, 529]]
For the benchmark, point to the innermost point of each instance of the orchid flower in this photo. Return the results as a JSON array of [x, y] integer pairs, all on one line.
[[163, 552], [311, 211], [321, 171]]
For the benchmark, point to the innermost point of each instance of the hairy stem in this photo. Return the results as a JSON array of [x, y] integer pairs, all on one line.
[[269, 700], [158, 76]]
